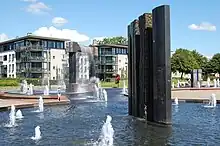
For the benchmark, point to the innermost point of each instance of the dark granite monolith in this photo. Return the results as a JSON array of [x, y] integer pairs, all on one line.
[[196, 75], [130, 43], [149, 66], [134, 35], [73, 87], [162, 108]]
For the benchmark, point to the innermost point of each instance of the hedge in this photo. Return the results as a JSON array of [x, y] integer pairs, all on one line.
[[17, 81]]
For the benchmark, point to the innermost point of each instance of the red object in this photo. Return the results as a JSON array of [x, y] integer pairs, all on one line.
[[117, 78]]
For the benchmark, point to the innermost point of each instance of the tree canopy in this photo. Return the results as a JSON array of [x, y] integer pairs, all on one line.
[[183, 61], [119, 40]]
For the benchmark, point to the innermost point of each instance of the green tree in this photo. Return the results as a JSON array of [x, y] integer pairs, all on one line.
[[201, 60], [183, 61], [115, 40], [214, 63]]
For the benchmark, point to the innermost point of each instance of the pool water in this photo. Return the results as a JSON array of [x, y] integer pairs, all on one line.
[[78, 125]]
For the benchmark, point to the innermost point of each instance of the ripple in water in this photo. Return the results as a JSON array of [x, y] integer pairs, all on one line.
[[80, 124]]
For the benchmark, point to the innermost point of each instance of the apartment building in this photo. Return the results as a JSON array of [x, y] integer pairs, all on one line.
[[112, 60], [33, 57]]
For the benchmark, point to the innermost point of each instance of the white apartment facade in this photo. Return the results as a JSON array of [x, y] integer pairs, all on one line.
[[122, 69], [8, 63], [31, 56]]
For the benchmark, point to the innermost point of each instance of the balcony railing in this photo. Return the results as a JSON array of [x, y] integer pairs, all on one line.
[[30, 48], [106, 70], [108, 62], [32, 69]]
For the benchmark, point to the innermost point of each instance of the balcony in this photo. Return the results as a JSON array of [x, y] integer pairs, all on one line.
[[107, 53], [29, 48], [106, 71], [36, 59], [108, 62], [4, 71], [27, 58]]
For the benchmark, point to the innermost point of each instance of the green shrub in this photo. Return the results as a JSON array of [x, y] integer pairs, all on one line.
[[17, 81], [9, 82]]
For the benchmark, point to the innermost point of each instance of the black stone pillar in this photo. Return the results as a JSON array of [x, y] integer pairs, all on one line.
[[145, 67], [196, 75], [134, 59], [130, 71], [149, 72], [162, 67], [72, 67]]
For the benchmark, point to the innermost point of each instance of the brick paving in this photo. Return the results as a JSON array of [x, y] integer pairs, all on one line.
[[6, 103]]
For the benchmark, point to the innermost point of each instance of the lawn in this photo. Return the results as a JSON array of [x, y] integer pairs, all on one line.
[[112, 84]]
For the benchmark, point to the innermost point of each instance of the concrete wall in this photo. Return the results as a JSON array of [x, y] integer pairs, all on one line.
[[57, 57], [122, 61]]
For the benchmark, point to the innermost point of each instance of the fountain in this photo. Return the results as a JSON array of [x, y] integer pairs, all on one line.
[[178, 84], [41, 104], [30, 89], [24, 87], [107, 133], [46, 90], [208, 82], [124, 91], [215, 83], [37, 134], [105, 95], [12, 116], [58, 93], [19, 114], [218, 83], [212, 102], [176, 101], [173, 86]]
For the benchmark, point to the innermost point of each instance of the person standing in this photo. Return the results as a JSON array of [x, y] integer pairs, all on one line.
[[117, 79]]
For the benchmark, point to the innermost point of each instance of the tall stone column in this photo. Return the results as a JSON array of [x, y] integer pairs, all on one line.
[[162, 67], [149, 66], [72, 72], [145, 67], [130, 71]]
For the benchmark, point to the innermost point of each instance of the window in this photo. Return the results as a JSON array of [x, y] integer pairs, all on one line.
[[85, 69], [119, 60], [9, 68], [54, 67], [51, 44], [53, 57], [13, 57], [5, 58], [9, 57], [13, 66], [85, 76], [44, 44], [53, 78]]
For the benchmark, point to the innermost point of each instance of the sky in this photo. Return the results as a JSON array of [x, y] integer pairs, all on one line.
[[194, 23]]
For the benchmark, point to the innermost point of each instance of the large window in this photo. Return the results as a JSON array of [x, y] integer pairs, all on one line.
[[51, 44], [59, 45]]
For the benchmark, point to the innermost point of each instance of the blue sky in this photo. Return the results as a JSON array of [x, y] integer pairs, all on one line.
[[84, 20]]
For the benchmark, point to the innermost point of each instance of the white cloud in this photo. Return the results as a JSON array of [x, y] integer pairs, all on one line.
[[3, 37], [37, 8], [29, 1], [59, 21], [203, 26], [71, 34]]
